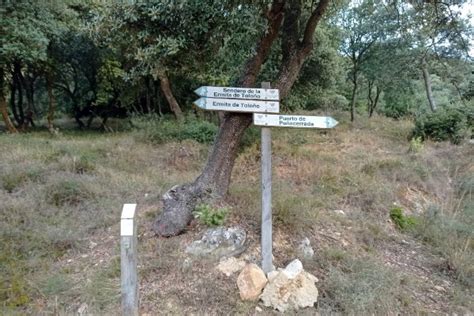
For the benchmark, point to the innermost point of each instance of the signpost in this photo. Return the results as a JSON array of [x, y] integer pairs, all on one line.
[[238, 93], [302, 121], [258, 101], [235, 105], [266, 225]]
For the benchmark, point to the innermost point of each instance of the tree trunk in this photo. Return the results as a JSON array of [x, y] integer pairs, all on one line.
[[180, 201], [3, 106], [29, 96], [370, 101], [13, 100], [17, 105], [427, 81], [376, 101], [52, 102], [354, 95], [168, 93]]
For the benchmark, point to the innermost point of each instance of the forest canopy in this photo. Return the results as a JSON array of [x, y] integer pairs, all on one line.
[[106, 59]]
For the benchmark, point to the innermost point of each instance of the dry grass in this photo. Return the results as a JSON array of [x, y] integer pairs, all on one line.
[[62, 196]]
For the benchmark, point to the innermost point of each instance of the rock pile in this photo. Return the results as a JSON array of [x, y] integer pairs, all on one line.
[[291, 288]]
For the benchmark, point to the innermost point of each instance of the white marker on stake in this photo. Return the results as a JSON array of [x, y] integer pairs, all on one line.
[[128, 260]]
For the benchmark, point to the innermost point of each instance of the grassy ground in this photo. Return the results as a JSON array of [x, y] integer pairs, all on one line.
[[62, 195]]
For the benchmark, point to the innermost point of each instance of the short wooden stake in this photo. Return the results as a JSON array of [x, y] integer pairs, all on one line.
[[266, 233], [128, 260]]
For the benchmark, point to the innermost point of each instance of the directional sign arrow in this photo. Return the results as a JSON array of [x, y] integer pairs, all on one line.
[[238, 93], [302, 121], [237, 105]]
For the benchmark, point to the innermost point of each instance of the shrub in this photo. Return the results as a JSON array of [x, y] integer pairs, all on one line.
[[157, 130], [360, 287], [12, 181], [403, 222], [16, 178], [416, 145], [452, 123], [451, 235], [68, 192], [200, 131], [210, 216]]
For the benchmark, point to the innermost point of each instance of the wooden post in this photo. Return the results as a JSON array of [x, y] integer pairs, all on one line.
[[266, 233], [128, 260]]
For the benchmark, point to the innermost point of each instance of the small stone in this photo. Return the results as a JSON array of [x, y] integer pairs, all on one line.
[[439, 288], [83, 309], [340, 212], [258, 309], [305, 250], [186, 265], [251, 282], [293, 269], [230, 266]]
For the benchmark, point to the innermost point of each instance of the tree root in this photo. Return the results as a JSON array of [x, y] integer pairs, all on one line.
[[178, 205]]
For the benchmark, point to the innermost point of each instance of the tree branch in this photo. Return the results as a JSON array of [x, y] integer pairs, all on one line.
[[313, 21], [254, 64]]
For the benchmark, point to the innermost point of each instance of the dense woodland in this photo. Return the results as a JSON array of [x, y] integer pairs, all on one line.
[[98, 59]]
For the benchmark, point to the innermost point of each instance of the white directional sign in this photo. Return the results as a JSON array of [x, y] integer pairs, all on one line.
[[302, 121], [238, 105], [238, 93]]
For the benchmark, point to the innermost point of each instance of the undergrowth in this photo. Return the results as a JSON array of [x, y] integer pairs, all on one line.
[[59, 193]]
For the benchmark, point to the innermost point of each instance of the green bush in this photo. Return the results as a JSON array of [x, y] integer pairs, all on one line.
[[158, 130], [68, 192], [14, 179], [403, 222], [452, 123], [210, 216], [200, 131], [416, 145]]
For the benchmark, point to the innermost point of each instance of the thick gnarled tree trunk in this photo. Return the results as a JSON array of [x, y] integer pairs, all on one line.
[[179, 202]]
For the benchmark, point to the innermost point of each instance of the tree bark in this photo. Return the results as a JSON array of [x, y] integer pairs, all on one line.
[[214, 181], [17, 105], [427, 81], [354, 95], [376, 101], [52, 102], [3, 106], [168, 93], [29, 98], [370, 101]]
